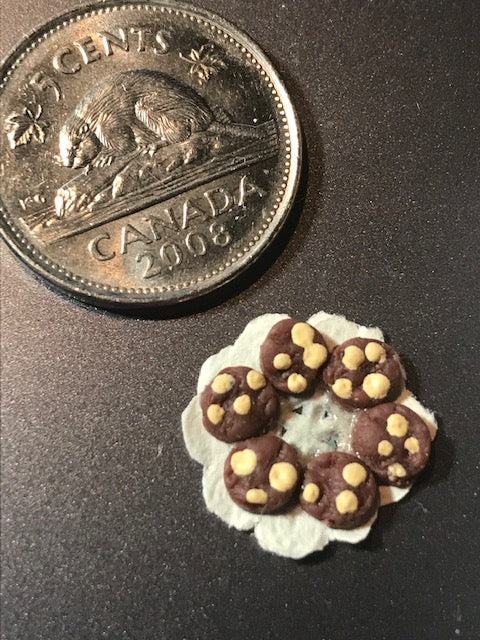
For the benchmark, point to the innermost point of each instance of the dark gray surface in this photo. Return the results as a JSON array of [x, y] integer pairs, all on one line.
[[105, 534]]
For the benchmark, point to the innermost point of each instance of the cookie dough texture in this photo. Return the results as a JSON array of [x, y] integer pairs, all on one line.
[[347, 491], [293, 355], [238, 403], [363, 373], [394, 441], [314, 425], [271, 482]]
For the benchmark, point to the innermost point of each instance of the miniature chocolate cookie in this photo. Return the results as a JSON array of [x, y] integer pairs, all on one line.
[[238, 403], [394, 441], [339, 489], [262, 474], [292, 356], [363, 373]]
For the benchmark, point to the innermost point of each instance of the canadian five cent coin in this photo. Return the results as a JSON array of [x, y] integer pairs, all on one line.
[[148, 152]]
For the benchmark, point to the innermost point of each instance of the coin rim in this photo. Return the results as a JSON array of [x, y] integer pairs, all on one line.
[[74, 285]]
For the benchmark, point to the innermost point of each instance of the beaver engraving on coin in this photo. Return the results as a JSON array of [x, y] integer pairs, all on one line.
[[149, 150], [124, 120]]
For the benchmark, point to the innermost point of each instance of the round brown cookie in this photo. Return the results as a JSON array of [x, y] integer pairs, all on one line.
[[292, 356], [238, 403], [339, 489], [394, 441], [363, 372], [263, 474]]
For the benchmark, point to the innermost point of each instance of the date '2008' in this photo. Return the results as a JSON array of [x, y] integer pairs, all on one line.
[[171, 254]]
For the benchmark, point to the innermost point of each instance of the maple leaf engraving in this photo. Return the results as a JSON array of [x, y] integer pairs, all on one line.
[[204, 63], [24, 125]]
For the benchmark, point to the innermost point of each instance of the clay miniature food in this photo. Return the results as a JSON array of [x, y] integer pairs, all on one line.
[[358, 440], [362, 373], [238, 403], [293, 355], [340, 490], [262, 474], [394, 441]]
